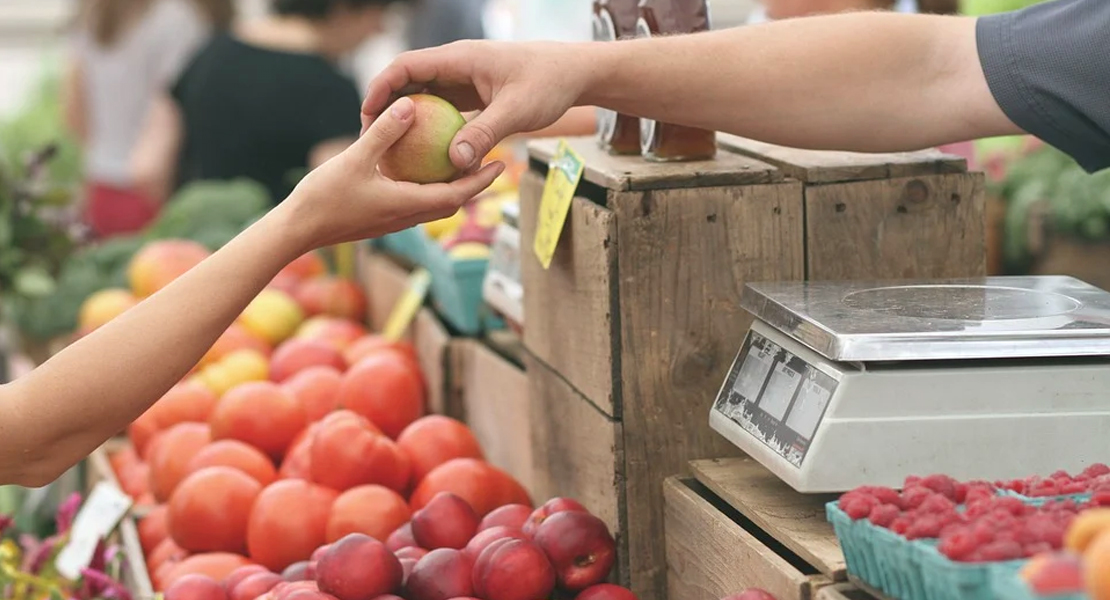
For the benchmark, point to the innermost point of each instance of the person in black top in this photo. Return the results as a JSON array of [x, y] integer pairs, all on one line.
[[265, 101]]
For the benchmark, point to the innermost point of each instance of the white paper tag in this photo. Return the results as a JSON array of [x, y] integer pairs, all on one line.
[[102, 511]]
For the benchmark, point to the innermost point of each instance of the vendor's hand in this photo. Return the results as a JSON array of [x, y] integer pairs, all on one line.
[[347, 199], [519, 87]]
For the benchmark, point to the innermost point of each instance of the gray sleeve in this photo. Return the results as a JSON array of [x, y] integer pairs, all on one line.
[[1048, 67]]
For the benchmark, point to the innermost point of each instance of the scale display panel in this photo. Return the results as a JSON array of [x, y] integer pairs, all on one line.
[[776, 396]]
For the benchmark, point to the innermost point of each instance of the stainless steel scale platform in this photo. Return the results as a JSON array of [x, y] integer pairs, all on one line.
[[841, 384]]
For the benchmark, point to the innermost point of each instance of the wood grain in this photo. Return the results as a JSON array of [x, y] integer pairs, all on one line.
[[577, 451], [571, 306], [709, 556], [683, 258], [431, 340], [495, 399], [817, 166], [843, 591], [917, 227], [796, 520], [623, 173]]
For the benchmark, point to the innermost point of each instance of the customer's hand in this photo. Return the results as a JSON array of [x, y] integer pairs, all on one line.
[[347, 199], [519, 87]]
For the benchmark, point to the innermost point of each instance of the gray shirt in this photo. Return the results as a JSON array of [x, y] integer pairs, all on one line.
[[1048, 67], [438, 22], [121, 81]]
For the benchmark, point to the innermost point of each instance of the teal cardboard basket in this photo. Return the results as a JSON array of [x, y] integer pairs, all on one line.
[[1008, 585], [456, 291], [410, 244]]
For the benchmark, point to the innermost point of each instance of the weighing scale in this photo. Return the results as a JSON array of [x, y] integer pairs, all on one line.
[[843, 384]]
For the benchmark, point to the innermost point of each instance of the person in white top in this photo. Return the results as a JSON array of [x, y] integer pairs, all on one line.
[[123, 53]]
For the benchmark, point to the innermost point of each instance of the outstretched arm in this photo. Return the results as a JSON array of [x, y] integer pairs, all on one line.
[[62, 411], [861, 81]]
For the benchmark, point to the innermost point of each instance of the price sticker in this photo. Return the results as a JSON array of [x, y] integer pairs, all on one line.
[[405, 310], [563, 174], [102, 511]]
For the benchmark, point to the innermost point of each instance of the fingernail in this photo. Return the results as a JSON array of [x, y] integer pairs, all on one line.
[[466, 152], [402, 109]]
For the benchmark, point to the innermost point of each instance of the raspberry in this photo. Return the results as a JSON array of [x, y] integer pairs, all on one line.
[[1060, 476], [961, 492], [913, 497], [884, 514], [860, 507], [901, 525], [884, 495], [1017, 486], [1037, 548], [1101, 499], [925, 527], [974, 557], [983, 532], [958, 545], [1043, 528], [911, 481], [941, 484], [1043, 488], [1011, 505], [998, 551], [1074, 487], [937, 504], [977, 494], [1096, 470]]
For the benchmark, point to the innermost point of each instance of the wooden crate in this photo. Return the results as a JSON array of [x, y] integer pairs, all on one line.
[[734, 526], [135, 575], [494, 400], [632, 328], [884, 216]]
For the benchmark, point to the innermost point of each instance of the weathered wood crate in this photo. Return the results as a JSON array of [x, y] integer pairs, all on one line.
[[494, 394], [631, 330], [735, 526], [135, 575]]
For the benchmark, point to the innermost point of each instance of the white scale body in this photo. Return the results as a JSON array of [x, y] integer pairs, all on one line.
[[502, 289], [839, 385]]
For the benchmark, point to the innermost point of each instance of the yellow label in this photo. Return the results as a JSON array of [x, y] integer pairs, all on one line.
[[345, 260], [408, 305], [563, 175]]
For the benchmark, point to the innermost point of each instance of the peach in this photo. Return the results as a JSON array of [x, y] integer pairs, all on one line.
[[516, 570], [412, 552], [235, 577], [422, 154], [487, 537], [447, 521], [441, 575], [319, 553], [579, 546], [358, 567], [606, 591], [195, 587], [255, 585], [295, 356], [332, 296], [237, 368], [1053, 574], [340, 333], [1085, 527], [401, 538], [1097, 557], [158, 263], [103, 306], [307, 265], [273, 316], [510, 515], [551, 507], [300, 571], [288, 589]]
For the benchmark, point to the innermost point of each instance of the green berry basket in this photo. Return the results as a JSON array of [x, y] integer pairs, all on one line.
[[456, 291], [1007, 584], [409, 244], [1039, 501], [946, 579], [875, 555]]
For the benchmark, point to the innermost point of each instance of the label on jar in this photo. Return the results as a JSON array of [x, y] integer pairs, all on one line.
[[648, 127], [605, 31]]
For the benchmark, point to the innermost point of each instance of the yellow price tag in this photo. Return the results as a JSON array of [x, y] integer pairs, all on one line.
[[563, 175], [345, 260], [405, 310]]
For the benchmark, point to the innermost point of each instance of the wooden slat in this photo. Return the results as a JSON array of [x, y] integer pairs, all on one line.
[[384, 282], [622, 173], [495, 400], [907, 228], [570, 307], [843, 591], [683, 258], [816, 166], [431, 340], [577, 450], [135, 575], [796, 520], [710, 556]]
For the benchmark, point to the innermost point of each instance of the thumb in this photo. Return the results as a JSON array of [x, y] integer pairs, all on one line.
[[478, 137], [387, 129]]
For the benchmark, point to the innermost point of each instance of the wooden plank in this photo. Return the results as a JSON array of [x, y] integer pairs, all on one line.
[[796, 520], [495, 397], [623, 173], [683, 258], [843, 591], [580, 282], [508, 344], [577, 451], [906, 228], [710, 556], [431, 340], [384, 282], [819, 166], [135, 575]]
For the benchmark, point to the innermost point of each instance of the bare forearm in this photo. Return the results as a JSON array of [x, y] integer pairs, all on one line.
[[94, 388], [868, 82]]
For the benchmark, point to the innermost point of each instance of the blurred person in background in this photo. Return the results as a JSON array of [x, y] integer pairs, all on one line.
[[265, 101], [122, 53], [438, 22]]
